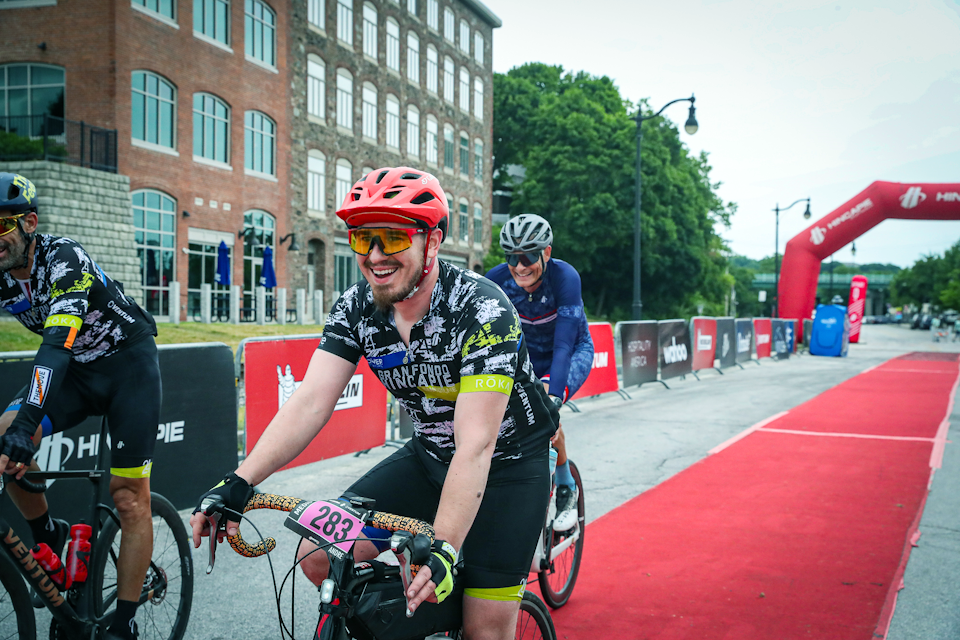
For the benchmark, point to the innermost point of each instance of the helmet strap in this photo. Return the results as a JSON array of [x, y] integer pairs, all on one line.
[[427, 268], [27, 241]]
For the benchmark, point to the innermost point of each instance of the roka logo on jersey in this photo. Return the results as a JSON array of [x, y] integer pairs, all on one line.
[[912, 197]]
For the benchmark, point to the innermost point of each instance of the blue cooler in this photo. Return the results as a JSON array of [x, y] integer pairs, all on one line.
[[831, 331]]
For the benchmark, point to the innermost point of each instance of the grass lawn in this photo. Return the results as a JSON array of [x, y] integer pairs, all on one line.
[[13, 337]]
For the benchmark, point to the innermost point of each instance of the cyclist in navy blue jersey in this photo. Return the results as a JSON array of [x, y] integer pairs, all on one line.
[[546, 293]]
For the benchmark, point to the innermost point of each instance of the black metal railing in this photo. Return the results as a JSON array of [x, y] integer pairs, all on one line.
[[47, 137]]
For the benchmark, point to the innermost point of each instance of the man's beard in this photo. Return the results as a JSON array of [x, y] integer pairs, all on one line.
[[15, 253], [384, 299]]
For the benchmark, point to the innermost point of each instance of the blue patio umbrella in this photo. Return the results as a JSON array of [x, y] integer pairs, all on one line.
[[268, 278], [223, 265]]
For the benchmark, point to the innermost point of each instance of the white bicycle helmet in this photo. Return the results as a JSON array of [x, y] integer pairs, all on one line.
[[528, 233]]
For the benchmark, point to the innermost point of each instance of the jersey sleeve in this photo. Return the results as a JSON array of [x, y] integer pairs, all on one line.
[[490, 353], [569, 313], [340, 335]]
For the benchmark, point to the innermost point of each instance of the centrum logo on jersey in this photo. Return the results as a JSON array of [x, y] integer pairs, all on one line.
[[817, 235], [912, 197], [38, 385]]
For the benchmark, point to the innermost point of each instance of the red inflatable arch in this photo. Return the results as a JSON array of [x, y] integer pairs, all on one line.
[[881, 200]]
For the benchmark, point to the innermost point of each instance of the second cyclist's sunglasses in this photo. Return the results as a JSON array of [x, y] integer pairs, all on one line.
[[526, 259], [391, 241], [9, 223]]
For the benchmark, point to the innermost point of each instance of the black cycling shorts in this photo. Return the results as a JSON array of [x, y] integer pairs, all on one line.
[[499, 548], [126, 388]]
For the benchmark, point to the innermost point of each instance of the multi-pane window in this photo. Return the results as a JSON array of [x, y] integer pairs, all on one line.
[[477, 223], [369, 30], [464, 155], [153, 109], [32, 90], [448, 24], [202, 269], [413, 131], [345, 21], [260, 24], [464, 36], [344, 180], [478, 98], [316, 13], [432, 134], [432, 68], [316, 180], [448, 147], [464, 90], [433, 14], [316, 86], [412, 6], [478, 159], [413, 57], [393, 122], [345, 269], [259, 232], [211, 128], [344, 99], [260, 140], [478, 47], [155, 234], [165, 8], [211, 18], [369, 111], [393, 45], [464, 221], [448, 81]]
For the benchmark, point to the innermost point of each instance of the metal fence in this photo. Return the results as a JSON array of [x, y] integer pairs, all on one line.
[[47, 137]]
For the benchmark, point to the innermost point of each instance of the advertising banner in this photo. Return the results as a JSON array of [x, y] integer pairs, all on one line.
[[603, 374], [807, 331], [638, 351], [196, 437], [274, 370], [676, 357], [792, 334], [726, 342], [855, 305], [781, 344], [744, 339], [762, 332], [704, 342]]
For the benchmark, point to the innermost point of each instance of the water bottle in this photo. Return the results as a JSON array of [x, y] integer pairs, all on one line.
[[50, 562], [553, 461], [78, 552]]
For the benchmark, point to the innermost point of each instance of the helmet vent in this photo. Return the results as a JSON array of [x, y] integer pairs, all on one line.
[[391, 194], [423, 198], [410, 176], [383, 174]]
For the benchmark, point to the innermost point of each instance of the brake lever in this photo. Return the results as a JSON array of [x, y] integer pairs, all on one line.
[[213, 521]]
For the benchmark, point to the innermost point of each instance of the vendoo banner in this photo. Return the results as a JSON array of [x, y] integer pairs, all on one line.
[[744, 339], [197, 430], [762, 332], [726, 342], [704, 342], [638, 351], [603, 374], [676, 358], [855, 305], [274, 370], [781, 346]]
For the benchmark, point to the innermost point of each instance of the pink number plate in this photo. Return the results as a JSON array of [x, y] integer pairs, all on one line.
[[327, 521]]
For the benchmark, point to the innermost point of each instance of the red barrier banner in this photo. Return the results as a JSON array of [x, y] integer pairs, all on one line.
[[704, 332], [855, 305], [762, 331], [273, 369], [603, 374]]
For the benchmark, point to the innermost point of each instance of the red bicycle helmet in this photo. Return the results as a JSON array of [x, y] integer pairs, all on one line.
[[396, 194]]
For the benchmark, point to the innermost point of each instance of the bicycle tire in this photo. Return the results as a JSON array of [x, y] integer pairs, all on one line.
[[558, 579], [164, 615], [17, 620], [534, 621]]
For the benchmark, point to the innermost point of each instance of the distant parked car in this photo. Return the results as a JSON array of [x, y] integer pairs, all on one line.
[[915, 321], [925, 321]]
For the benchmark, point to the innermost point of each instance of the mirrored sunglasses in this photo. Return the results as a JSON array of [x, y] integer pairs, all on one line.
[[526, 259], [8, 224], [391, 241]]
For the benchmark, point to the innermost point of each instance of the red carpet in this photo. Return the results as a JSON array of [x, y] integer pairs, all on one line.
[[798, 530]]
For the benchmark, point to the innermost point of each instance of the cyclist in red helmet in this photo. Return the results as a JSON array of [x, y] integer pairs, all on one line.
[[447, 344]]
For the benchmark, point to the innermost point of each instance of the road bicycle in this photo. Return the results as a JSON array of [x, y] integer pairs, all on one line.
[[366, 600], [557, 558], [85, 610]]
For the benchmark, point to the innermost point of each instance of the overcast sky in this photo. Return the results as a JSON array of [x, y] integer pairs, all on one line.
[[794, 99]]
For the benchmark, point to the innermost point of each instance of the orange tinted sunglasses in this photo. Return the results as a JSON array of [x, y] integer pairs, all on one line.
[[391, 241]]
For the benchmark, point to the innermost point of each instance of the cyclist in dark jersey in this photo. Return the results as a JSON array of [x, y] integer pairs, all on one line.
[[448, 344], [546, 293], [97, 357]]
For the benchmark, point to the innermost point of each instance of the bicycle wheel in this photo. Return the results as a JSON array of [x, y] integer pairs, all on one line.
[[557, 580], [16, 612], [168, 588], [534, 621]]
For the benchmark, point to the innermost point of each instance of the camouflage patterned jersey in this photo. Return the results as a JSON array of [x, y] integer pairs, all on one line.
[[470, 340]]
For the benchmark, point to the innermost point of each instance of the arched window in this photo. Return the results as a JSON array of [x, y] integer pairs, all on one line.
[[464, 36], [344, 99], [369, 111], [478, 98], [316, 86], [433, 14], [477, 223], [413, 57], [393, 122], [211, 128], [478, 159], [448, 81], [464, 221], [153, 109], [393, 45], [413, 131], [432, 132], [344, 180], [211, 18], [259, 232], [412, 7], [448, 146], [33, 90], [345, 21], [316, 182], [464, 154], [369, 30], [464, 90], [478, 47], [155, 235], [316, 13], [432, 68], [260, 35], [260, 144], [448, 22]]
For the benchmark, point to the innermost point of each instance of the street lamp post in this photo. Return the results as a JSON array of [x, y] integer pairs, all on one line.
[[690, 126], [776, 253]]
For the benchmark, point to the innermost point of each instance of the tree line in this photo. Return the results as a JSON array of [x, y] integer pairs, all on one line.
[[933, 279]]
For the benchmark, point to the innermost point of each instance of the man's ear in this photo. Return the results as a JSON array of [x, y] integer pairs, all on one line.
[[30, 222], [434, 238], [546, 254]]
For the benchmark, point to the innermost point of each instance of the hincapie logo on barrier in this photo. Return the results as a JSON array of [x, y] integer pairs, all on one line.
[[704, 341], [675, 352], [912, 197], [763, 338]]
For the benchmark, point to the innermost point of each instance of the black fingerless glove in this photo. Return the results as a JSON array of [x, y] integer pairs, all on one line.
[[230, 496], [18, 446]]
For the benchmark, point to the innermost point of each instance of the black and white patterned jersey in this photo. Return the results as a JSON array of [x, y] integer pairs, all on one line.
[[470, 340]]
